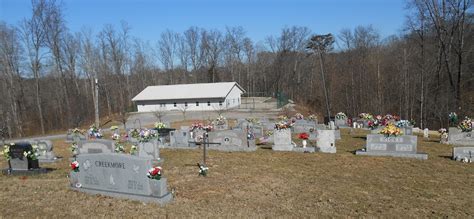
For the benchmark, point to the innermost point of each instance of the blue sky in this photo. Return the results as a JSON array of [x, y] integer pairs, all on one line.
[[260, 18]]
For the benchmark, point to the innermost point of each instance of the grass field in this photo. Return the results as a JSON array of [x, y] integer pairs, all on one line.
[[267, 184]]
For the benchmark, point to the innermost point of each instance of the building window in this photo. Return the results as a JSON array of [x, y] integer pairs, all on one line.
[[174, 104], [185, 103], [208, 103], [220, 103], [197, 103]]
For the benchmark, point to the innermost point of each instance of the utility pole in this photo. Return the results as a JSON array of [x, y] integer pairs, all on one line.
[[96, 103]]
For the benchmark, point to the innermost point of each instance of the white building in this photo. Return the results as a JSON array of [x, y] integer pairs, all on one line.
[[189, 97]]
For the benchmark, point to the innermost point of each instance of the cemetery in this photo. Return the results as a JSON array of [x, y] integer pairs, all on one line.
[[123, 168]]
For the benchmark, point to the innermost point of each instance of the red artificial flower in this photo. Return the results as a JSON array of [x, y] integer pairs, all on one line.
[[303, 136], [155, 171]]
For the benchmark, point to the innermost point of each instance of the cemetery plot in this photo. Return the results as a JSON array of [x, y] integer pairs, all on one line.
[[400, 146], [118, 175]]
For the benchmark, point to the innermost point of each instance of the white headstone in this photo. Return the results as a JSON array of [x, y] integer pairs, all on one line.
[[326, 141], [426, 133]]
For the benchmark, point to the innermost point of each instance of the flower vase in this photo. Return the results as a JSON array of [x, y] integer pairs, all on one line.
[[304, 143]]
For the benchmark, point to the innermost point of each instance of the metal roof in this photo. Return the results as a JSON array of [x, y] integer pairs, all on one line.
[[187, 91]]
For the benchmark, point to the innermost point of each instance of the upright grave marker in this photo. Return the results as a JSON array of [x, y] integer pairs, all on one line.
[[400, 146], [119, 175]]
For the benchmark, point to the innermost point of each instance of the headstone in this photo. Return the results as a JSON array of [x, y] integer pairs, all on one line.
[[18, 163], [282, 140], [332, 126], [119, 175], [426, 133], [461, 153], [407, 130], [303, 126], [400, 146], [231, 140], [341, 123], [326, 142], [45, 151], [149, 149], [96, 146], [220, 127], [75, 137], [181, 138], [457, 137]]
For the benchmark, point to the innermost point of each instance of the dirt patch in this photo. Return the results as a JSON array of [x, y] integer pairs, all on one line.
[[267, 184]]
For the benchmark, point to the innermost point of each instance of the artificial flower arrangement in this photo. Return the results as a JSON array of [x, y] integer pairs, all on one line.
[[283, 125], [465, 125], [113, 128], [403, 123], [77, 131], [33, 153], [312, 117], [133, 149], [253, 120], [373, 124], [119, 147], [160, 125], [220, 120], [95, 132], [203, 170], [6, 151], [366, 116], [341, 115], [154, 173], [196, 125], [396, 118], [391, 130], [144, 135], [388, 117], [73, 147], [453, 118], [116, 136], [75, 166], [299, 116], [303, 136], [442, 130], [282, 117]]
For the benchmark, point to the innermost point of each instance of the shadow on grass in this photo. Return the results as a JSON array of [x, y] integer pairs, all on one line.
[[361, 137], [446, 157]]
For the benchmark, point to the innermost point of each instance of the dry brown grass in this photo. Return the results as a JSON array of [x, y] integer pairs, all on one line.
[[268, 184]]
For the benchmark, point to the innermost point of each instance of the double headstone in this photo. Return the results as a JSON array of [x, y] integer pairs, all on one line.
[[463, 153], [400, 146], [231, 140], [180, 139], [19, 163], [458, 137], [45, 151], [119, 175], [303, 126]]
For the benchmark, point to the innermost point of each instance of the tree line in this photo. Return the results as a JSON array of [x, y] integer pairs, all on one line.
[[47, 72]]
